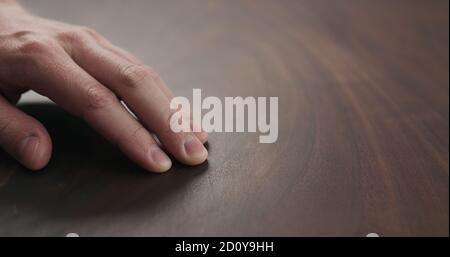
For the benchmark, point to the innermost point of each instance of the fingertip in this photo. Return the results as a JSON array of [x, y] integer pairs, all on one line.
[[34, 151], [159, 161], [195, 150]]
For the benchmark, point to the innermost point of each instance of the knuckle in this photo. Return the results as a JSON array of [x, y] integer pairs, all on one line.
[[99, 97], [74, 36], [139, 133], [89, 31], [23, 34], [35, 47], [31, 56], [12, 125], [5, 124], [133, 75], [25, 54]]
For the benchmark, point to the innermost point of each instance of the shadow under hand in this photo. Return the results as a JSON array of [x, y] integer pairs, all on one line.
[[86, 176]]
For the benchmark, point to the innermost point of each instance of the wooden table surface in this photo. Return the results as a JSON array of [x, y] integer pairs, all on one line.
[[363, 143]]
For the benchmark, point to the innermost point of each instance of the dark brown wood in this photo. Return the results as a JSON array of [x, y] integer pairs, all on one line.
[[364, 119]]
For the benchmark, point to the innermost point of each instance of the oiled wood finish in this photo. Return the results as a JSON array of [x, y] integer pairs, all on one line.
[[363, 144]]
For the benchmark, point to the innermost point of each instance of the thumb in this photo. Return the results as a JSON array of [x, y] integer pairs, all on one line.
[[23, 137]]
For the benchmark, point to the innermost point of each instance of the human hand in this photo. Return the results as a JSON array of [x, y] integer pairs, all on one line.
[[86, 75]]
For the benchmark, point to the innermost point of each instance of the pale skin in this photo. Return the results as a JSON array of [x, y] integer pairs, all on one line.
[[88, 76]]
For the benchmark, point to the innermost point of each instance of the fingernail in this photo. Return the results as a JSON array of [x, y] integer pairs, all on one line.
[[194, 148], [161, 159], [27, 149]]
